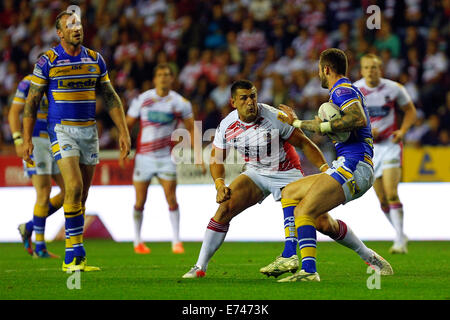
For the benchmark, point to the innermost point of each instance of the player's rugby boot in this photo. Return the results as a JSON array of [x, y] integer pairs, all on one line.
[[281, 265], [78, 264], [378, 263], [400, 247], [303, 276], [195, 272], [44, 254], [26, 238], [141, 248], [177, 248]]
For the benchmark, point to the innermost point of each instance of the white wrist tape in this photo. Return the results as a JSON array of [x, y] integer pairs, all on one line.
[[297, 123], [325, 127]]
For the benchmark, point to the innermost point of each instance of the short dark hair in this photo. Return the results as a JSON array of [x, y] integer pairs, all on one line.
[[335, 59], [241, 84], [58, 18], [160, 66]]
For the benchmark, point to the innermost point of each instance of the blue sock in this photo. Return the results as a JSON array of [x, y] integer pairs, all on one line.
[[29, 226], [69, 249], [39, 229], [290, 243], [75, 226], [307, 242]]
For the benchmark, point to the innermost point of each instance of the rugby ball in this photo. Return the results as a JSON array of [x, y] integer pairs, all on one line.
[[328, 111]]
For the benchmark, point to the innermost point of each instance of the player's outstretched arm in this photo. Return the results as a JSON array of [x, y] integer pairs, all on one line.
[[310, 149], [115, 110], [29, 118]]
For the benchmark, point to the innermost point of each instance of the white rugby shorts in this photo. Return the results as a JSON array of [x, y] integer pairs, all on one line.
[[44, 163], [272, 182], [145, 168], [70, 141], [386, 155]]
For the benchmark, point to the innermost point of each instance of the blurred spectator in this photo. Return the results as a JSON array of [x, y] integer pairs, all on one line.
[[220, 95], [431, 137], [191, 71], [276, 44], [250, 39], [150, 9], [385, 39], [391, 66], [434, 69], [414, 136]]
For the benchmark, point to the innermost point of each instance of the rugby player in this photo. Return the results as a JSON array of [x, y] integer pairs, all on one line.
[[349, 177], [41, 172], [70, 75], [159, 110], [267, 146], [383, 98]]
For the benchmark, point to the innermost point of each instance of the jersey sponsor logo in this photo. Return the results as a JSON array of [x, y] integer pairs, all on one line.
[[378, 111], [63, 61], [67, 147], [92, 69], [74, 84], [160, 117], [38, 71]]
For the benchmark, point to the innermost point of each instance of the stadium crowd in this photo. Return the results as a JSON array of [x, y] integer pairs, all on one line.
[[209, 44]]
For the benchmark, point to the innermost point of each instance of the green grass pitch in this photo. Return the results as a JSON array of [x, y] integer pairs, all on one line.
[[232, 275]]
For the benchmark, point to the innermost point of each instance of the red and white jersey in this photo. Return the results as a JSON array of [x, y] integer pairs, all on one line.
[[262, 143], [159, 117], [381, 102]]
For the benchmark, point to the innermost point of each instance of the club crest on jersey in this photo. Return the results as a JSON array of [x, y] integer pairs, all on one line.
[[342, 91]]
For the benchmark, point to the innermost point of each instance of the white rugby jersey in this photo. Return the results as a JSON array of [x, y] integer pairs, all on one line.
[[381, 102], [159, 117], [262, 143]]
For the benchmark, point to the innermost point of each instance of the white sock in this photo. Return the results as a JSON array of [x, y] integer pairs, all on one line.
[[137, 217], [396, 213], [214, 237], [385, 210], [348, 239], [174, 216]]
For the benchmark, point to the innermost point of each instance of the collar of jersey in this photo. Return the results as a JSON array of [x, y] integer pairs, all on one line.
[[340, 81]]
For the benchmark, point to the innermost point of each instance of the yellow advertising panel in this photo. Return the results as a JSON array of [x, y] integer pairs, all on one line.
[[426, 164]]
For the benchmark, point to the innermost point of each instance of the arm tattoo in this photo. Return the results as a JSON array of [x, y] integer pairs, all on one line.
[[309, 125], [33, 100], [110, 96], [351, 120]]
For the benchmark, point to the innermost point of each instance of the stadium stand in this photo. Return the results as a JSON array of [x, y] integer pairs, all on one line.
[[211, 43]]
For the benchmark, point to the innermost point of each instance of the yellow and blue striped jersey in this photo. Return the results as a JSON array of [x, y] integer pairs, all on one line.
[[40, 127], [360, 143], [71, 83]]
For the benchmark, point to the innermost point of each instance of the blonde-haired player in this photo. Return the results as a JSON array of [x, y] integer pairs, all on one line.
[[159, 110], [383, 98]]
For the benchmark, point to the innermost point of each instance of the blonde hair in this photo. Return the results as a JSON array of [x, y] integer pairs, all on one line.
[[372, 56]]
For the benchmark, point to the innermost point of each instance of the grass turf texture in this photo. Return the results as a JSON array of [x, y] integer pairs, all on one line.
[[233, 273]]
